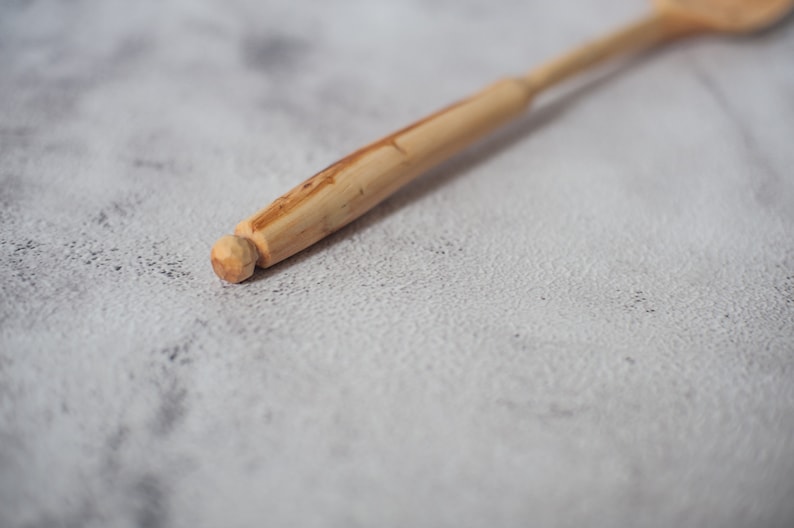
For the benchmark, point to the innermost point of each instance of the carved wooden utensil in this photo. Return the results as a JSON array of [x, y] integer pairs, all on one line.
[[347, 189]]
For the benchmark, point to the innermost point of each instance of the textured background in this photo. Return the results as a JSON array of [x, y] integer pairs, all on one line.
[[588, 320]]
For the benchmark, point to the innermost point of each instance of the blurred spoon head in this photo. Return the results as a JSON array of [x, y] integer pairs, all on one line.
[[736, 16]]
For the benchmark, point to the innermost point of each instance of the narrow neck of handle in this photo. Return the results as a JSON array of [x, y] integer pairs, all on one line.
[[636, 37]]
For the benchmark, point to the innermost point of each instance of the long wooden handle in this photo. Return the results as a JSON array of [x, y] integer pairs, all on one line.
[[350, 187]]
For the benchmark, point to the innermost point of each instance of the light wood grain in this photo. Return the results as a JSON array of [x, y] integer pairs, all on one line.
[[350, 187]]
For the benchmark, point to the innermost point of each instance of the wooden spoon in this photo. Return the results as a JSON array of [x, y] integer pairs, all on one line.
[[347, 189]]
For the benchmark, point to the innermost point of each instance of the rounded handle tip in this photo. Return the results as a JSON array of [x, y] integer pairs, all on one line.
[[234, 258]]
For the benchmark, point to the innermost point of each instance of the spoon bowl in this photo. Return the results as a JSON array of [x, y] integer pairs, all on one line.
[[732, 16]]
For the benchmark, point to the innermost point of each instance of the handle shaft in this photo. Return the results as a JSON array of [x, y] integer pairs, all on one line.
[[352, 186], [640, 35]]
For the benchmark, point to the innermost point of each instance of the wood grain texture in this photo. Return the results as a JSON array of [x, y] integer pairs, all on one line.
[[352, 186]]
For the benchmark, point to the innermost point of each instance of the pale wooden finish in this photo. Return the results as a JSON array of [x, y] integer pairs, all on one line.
[[234, 258], [639, 35], [733, 16], [347, 189], [352, 186]]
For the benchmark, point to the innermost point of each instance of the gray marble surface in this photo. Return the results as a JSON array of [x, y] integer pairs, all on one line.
[[587, 320]]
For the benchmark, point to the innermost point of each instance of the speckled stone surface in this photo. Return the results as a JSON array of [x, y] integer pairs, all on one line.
[[588, 320]]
